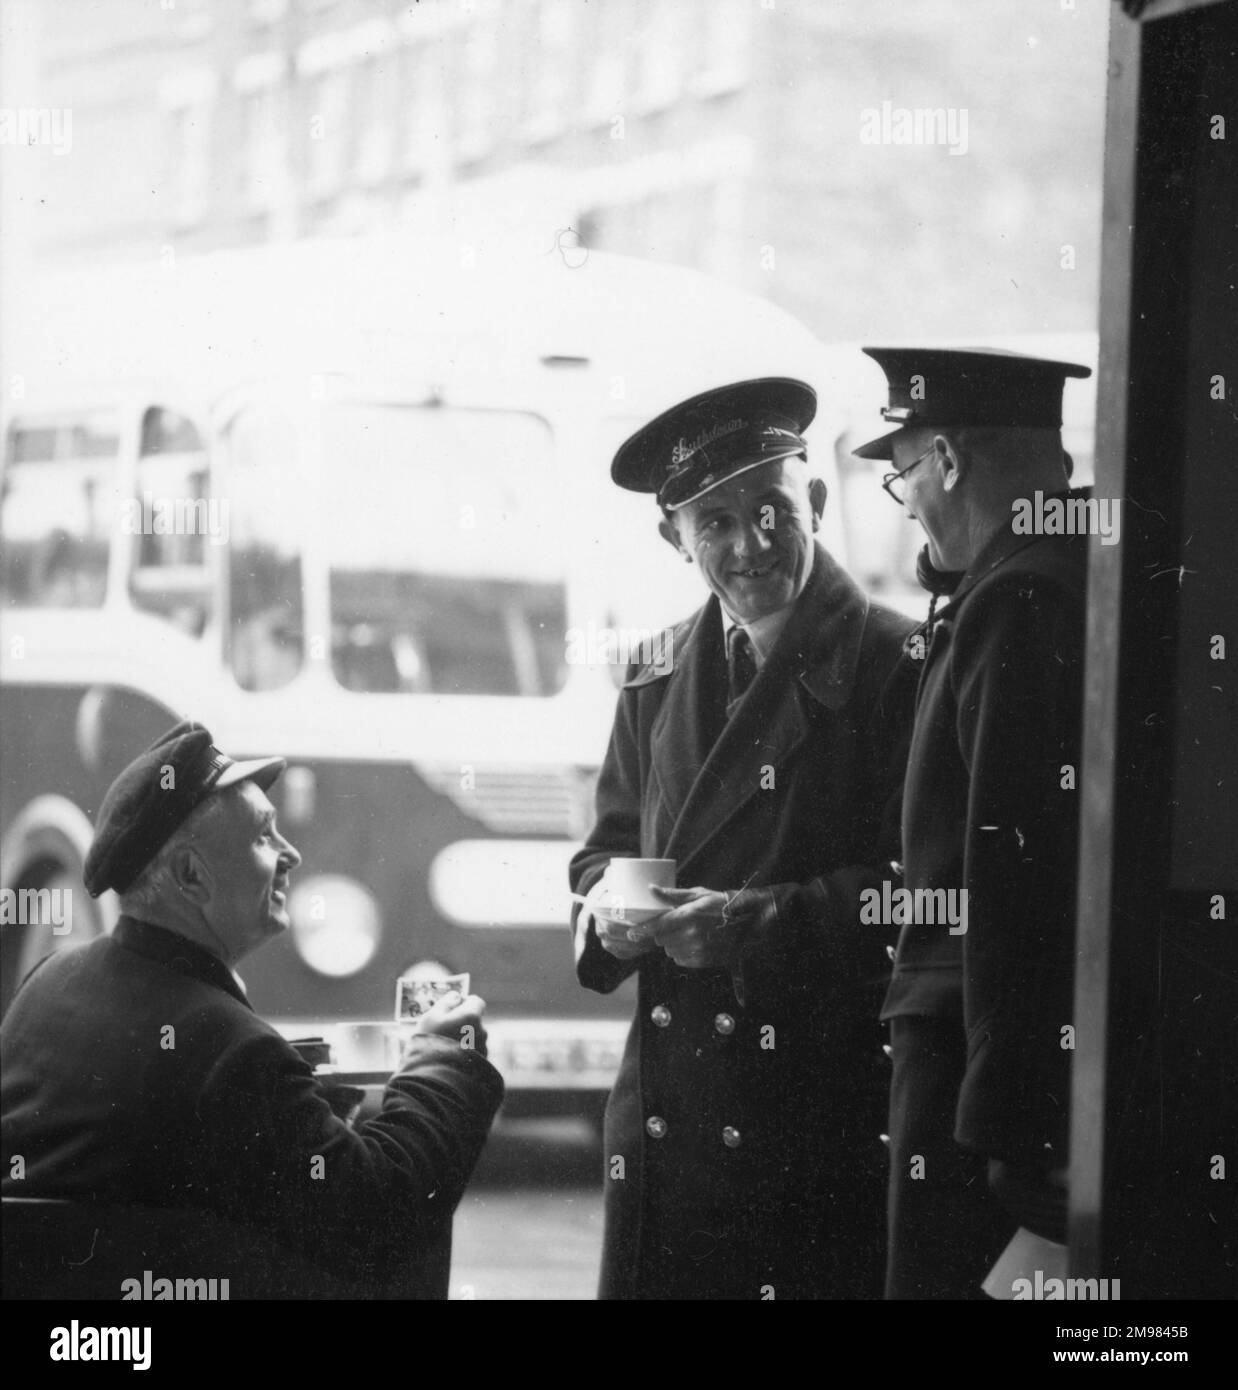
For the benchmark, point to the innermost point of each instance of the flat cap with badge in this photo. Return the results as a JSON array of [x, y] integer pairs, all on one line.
[[967, 386], [703, 441], [155, 795]]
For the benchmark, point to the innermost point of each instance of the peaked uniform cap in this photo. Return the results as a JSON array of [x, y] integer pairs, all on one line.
[[703, 441], [967, 386]]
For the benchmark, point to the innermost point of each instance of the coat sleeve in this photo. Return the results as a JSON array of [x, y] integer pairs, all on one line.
[[366, 1202], [1016, 669], [815, 930], [615, 834]]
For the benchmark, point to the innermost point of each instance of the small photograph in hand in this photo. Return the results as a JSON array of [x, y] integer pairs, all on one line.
[[417, 995]]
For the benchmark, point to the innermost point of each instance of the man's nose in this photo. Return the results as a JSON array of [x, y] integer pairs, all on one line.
[[755, 538], [289, 853]]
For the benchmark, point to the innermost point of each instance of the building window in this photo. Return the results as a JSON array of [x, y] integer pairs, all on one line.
[[476, 106], [553, 63], [660, 57], [725, 47], [188, 102], [190, 163], [375, 110], [328, 130], [606, 56], [267, 11], [265, 146], [424, 132]]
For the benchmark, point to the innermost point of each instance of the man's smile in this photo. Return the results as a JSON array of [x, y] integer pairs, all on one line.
[[762, 570]]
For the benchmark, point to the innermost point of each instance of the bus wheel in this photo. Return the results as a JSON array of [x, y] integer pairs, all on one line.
[[53, 911]]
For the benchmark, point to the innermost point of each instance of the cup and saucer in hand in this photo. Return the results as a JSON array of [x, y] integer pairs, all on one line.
[[625, 899]]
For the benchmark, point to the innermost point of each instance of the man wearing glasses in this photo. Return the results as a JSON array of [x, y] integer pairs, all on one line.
[[981, 1017]]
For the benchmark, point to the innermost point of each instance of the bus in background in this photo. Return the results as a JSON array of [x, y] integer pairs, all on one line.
[[350, 503]]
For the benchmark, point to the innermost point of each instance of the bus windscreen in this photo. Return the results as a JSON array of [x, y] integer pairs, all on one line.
[[446, 564]]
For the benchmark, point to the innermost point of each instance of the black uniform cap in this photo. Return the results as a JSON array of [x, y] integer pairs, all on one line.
[[703, 441], [967, 386], [155, 794]]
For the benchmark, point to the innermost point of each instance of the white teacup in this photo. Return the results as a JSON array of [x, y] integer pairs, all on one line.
[[627, 884]]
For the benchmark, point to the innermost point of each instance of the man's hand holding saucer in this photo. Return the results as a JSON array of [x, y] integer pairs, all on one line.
[[703, 928]]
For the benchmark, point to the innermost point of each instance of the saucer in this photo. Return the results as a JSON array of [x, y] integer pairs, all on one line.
[[632, 916]]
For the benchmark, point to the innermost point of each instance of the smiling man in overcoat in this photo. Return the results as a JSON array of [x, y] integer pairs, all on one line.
[[765, 755]]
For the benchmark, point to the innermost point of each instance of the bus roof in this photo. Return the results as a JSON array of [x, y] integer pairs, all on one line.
[[392, 310]]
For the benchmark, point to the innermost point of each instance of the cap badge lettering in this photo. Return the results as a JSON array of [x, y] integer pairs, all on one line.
[[683, 451]]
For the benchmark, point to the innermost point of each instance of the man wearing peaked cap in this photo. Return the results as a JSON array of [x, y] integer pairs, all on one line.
[[981, 1019], [701, 442], [764, 754], [135, 1072], [967, 386]]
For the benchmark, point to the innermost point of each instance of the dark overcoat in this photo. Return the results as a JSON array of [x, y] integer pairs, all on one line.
[[743, 1154], [980, 1022], [136, 1073]]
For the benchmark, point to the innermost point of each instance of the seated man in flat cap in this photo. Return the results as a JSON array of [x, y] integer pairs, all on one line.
[[981, 1021], [135, 1072], [766, 758]]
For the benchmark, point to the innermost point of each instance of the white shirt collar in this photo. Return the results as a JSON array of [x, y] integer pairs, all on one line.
[[763, 632]]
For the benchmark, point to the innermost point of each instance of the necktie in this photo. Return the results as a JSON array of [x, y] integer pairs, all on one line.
[[741, 666]]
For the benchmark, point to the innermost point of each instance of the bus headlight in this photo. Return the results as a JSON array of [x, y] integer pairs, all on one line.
[[336, 924]]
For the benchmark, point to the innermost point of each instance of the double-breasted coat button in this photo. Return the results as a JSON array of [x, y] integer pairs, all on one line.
[[731, 1137], [725, 1024], [885, 1138], [656, 1126], [661, 1015], [887, 1049], [890, 952]]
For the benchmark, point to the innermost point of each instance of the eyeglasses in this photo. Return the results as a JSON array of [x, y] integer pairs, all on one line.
[[892, 482]]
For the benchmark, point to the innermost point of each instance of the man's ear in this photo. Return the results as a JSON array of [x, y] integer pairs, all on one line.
[[817, 493], [192, 875], [670, 534], [949, 462]]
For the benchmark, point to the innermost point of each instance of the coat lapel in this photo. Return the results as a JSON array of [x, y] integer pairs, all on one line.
[[692, 713]]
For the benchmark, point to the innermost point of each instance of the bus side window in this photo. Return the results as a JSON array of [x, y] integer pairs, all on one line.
[[174, 521], [58, 511], [266, 625]]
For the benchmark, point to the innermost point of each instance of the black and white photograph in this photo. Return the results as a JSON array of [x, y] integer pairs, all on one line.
[[616, 638]]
